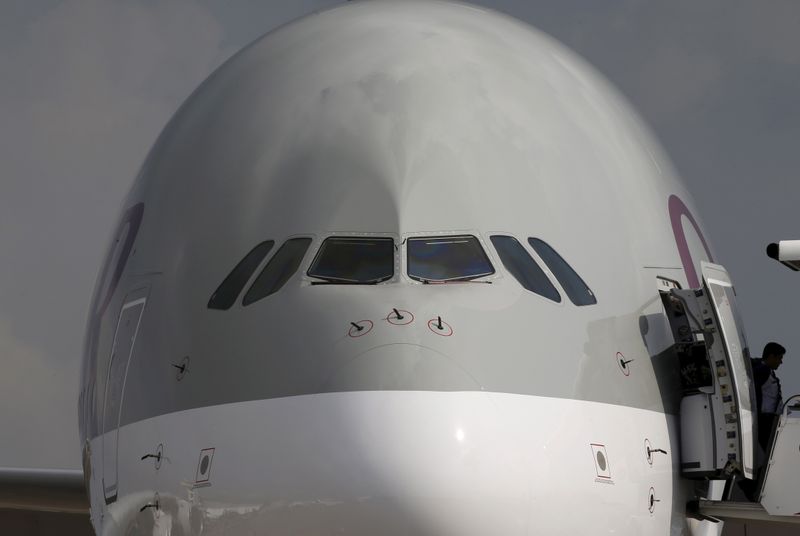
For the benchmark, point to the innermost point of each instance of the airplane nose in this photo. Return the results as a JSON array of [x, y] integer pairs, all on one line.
[[401, 367]]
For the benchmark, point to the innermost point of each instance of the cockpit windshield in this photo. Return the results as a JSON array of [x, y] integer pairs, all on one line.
[[354, 260], [447, 258]]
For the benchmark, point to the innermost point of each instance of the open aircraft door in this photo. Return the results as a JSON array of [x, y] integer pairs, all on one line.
[[736, 354], [718, 404]]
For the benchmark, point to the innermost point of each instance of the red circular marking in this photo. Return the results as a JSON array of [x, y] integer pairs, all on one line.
[[407, 318], [366, 328], [623, 366], [651, 499], [446, 331]]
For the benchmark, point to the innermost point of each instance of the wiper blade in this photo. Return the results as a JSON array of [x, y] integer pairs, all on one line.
[[455, 280], [347, 282]]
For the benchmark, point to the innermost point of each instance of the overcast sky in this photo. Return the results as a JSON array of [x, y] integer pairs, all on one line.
[[86, 86]]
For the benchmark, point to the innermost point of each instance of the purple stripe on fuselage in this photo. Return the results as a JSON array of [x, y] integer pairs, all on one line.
[[677, 208]]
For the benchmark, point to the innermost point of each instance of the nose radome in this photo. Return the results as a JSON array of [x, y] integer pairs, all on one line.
[[410, 434], [401, 367], [394, 463]]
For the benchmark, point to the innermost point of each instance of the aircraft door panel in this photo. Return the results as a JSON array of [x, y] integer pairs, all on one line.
[[124, 338], [723, 301]]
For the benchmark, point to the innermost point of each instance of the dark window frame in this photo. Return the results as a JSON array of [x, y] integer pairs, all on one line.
[[334, 280], [566, 281], [254, 293], [236, 280], [544, 287], [422, 279]]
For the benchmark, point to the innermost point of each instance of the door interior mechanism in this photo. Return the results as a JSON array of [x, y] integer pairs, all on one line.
[[717, 405]]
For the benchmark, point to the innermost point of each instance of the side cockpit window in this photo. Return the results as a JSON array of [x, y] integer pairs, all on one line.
[[354, 260], [521, 265], [225, 295], [577, 290], [278, 270], [447, 258]]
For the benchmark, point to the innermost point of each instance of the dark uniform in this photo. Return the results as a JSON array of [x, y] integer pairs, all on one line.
[[768, 399]]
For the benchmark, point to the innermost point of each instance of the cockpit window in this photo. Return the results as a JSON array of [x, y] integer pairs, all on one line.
[[354, 260], [578, 291], [225, 295], [447, 258], [278, 270], [521, 265]]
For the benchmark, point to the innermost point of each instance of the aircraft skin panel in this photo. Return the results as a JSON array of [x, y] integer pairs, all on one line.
[[401, 462]]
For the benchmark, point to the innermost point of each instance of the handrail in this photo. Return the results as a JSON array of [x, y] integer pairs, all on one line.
[[788, 405]]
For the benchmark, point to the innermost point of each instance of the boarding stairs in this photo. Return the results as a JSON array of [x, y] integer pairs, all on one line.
[[779, 489]]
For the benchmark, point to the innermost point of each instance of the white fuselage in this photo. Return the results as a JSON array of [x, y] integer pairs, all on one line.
[[402, 463], [521, 415]]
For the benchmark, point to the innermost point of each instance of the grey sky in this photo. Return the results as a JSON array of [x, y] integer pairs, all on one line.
[[88, 84]]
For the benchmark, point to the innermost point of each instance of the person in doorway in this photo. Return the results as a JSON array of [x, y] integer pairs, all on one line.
[[769, 404], [769, 399]]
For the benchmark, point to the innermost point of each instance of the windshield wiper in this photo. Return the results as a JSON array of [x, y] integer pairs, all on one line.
[[348, 282], [454, 280]]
